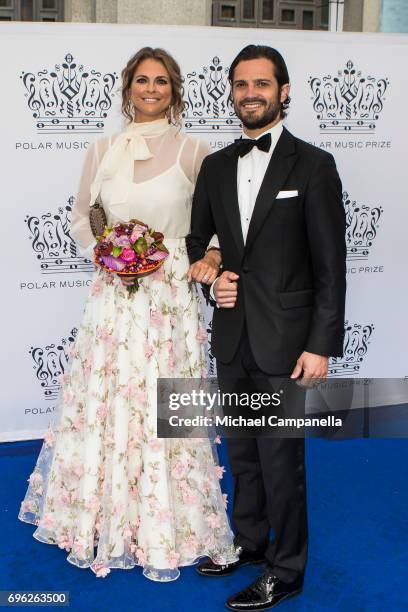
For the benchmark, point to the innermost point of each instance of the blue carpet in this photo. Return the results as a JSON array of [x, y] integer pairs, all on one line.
[[358, 555]]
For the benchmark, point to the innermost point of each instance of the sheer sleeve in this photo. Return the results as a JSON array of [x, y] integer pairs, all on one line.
[[192, 157], [201, 151], [80, 227]]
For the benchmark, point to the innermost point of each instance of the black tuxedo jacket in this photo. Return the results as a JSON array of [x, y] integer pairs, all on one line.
[[292, 268]]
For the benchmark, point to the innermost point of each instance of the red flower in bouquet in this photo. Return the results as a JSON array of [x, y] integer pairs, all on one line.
[[105, 248], [131, 249]]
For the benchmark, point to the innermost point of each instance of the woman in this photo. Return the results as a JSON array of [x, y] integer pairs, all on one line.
[[105, 480]]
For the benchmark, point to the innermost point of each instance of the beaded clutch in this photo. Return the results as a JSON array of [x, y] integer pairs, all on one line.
[[97, 218]]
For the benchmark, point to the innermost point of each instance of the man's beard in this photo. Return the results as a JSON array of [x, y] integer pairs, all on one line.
[[255, 122]]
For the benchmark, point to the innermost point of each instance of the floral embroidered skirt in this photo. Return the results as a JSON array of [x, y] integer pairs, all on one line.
[[105, 488]]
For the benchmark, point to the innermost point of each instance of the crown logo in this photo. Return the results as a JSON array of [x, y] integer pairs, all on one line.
[[362, 223], [208, 107], [69, 98], [356, 341], [348, 102], [52, 243], [50, 363]]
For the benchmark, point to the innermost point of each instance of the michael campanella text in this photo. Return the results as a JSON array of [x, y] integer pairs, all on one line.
[[241, 421]]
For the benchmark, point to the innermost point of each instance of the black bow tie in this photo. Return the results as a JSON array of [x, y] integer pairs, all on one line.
[[245, 145]]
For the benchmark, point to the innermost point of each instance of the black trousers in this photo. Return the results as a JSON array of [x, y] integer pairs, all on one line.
[[269, 478]]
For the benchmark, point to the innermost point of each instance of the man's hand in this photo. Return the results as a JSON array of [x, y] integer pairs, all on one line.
[[226, 289], [205, 270], [313, 366]]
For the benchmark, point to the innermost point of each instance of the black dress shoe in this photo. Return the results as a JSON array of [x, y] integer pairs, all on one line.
[[209, 568], [265, 593]]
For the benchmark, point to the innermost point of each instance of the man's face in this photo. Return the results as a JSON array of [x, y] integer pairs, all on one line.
[[256, 94]]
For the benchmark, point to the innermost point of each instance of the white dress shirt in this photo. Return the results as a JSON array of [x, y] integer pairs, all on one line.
[[250, 174]]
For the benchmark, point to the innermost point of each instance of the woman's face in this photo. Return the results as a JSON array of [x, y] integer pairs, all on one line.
[[150, 91]]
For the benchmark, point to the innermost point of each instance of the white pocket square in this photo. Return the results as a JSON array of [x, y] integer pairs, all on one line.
[[287, 194]]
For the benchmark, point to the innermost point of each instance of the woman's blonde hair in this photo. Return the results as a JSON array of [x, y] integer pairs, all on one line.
[[177, 104]]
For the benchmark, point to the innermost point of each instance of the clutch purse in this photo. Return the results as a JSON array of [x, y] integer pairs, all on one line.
[[97, 218]]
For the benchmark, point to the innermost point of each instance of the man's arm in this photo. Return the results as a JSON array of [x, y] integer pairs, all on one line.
[[204, 264], [202, 222], [326, 225]]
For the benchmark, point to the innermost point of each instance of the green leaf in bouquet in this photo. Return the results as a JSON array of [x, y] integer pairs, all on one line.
[[160, 247], [140, 245], [116, 251]]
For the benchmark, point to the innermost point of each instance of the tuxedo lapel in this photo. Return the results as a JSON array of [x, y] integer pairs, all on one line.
[[229, 192], [280, 165]]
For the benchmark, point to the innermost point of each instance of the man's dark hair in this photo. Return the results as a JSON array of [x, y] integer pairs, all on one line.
[[251, 52]]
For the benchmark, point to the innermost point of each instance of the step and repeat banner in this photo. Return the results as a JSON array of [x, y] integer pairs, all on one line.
[[61, 91]]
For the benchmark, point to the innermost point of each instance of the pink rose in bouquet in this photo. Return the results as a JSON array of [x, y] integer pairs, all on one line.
[[128, 255]]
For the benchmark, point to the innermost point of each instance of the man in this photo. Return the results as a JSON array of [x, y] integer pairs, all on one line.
[[275, 203]]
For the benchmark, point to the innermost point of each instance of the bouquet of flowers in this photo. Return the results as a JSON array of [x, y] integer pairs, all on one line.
[[130, 249]]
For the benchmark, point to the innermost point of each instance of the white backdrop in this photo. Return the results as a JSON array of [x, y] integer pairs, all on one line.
[[61, 91]]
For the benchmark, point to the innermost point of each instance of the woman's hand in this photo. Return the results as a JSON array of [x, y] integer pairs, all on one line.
[[205, 270]]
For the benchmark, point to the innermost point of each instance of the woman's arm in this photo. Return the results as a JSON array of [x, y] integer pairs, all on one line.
[[80, 228]]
